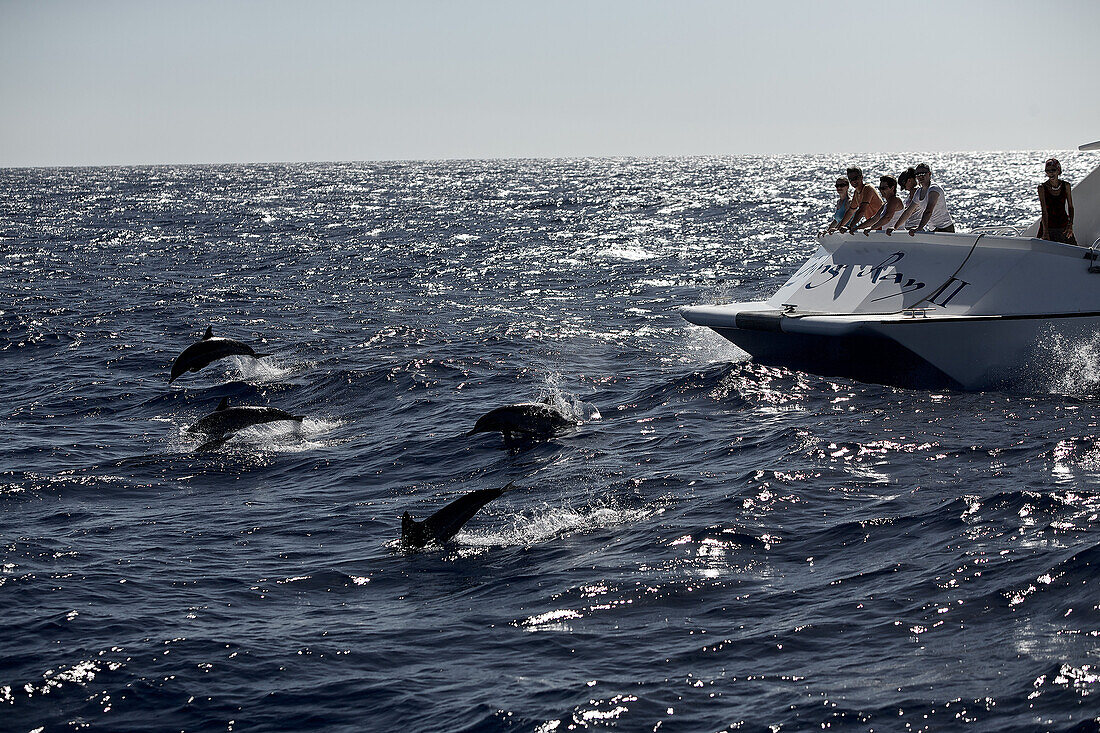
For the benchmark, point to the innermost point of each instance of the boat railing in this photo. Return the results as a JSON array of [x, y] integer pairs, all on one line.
[[1000, 230], [1091, 255]]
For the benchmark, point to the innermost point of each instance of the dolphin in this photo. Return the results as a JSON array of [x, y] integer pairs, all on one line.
[[208, 350], [524, 420], [445, 523], [226, 419]]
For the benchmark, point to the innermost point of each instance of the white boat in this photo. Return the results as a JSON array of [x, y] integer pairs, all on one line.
[[987, 309]]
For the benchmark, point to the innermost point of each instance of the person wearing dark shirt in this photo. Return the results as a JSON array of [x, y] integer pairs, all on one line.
[[1057, 202]]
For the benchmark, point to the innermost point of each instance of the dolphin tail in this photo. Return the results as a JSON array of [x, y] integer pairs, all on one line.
[[445, 523], [413, 533]]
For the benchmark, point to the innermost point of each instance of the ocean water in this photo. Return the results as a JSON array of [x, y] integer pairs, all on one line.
[[718, 545]]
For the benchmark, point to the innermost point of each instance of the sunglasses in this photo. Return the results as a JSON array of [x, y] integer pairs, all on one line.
[[924, 173], [843, 185], [884, 188]]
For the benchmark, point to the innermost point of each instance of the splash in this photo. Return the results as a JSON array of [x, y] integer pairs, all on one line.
[[546, 522], [704, 346], [1070, 366], [277, 437], [285, 437], [1063, 359], [572, 405], [267, 370]]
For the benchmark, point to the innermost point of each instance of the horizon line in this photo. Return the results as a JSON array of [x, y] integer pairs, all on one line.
[[69, 166]]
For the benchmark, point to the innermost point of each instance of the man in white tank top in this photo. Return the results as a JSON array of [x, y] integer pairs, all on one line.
[[935, 214]]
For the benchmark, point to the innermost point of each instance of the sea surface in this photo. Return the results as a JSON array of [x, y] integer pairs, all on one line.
[[717, 546]]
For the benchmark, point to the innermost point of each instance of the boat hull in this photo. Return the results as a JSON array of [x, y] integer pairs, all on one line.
[[862, 355], [987, 352]]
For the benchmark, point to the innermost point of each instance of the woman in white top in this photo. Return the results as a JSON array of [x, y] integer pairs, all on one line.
[[891, 210], [935, 214]]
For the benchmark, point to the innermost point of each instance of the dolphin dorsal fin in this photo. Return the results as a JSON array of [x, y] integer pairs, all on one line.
[[209, 333], [223, 405]]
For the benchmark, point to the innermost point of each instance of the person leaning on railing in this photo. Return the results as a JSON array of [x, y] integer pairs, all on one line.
[[911, 212], [932, 200], [865, 201], [891, 209], [842, 203], [1057, 202]]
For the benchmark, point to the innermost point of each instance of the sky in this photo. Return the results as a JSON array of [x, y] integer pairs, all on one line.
[[150, 81]]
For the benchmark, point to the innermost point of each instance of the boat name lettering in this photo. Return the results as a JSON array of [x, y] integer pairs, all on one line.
[[947, 291], [874, 272]]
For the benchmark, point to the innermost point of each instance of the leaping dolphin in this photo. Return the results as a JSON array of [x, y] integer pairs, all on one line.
[[226, 419], [524, 420], [208, 350], [445, 523]]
